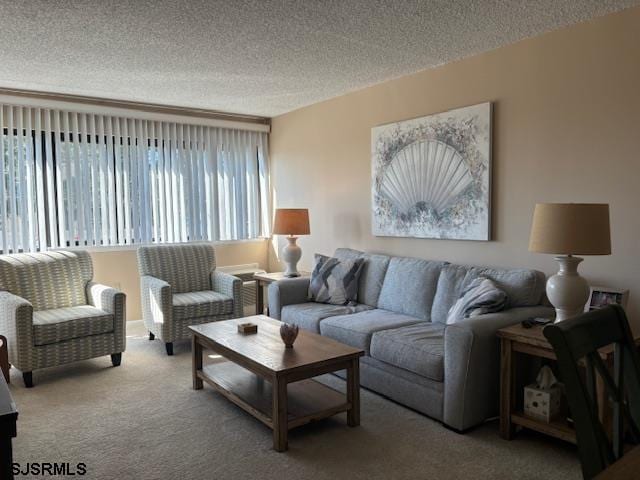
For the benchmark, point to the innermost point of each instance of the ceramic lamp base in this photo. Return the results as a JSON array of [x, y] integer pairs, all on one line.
[[567, 291], [291, 254]]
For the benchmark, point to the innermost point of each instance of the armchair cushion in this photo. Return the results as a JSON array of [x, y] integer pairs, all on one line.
[[201, 304], [48, 280], [57, 325], [186, 267]]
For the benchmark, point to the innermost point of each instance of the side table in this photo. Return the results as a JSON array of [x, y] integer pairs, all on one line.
[[263, 280], [516, 341]]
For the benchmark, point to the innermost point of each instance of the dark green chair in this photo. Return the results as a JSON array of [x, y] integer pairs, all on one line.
[[580, 338]]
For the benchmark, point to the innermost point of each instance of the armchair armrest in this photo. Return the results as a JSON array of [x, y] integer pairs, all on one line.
[[229, 285], [105, 298], [472, 365], [16, 323], [288, 291], [111, 301], [156, 301]]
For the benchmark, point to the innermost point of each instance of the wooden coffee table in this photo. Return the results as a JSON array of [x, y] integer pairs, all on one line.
[[274, 383]]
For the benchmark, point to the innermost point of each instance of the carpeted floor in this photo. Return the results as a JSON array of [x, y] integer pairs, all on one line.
[[143, 421]]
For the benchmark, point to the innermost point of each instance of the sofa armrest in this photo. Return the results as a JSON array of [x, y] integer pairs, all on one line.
[[231, 286], [16, 323], [472, 365], [111, 301], [288, 291]]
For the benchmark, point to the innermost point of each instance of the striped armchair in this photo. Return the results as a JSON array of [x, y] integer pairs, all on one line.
[[52, 312], [180, 287]]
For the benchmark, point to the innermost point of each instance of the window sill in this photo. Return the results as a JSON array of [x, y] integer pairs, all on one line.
[[124, 248]]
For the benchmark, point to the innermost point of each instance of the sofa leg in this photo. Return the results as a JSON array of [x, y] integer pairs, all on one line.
[[169, 346], [28, 379], [151, 336], [116, 359]]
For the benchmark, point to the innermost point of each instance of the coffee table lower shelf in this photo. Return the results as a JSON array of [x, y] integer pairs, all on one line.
[[307, 400]]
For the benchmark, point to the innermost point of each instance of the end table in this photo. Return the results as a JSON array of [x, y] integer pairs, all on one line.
[[516, 341], [263, 280]]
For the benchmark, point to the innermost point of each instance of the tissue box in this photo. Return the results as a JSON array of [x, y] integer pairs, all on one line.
[[542, 403]]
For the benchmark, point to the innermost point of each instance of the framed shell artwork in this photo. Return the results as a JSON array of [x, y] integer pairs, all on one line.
[[431, 176]]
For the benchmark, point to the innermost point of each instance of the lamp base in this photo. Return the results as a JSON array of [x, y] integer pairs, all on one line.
[[567, 291], [291, 254]]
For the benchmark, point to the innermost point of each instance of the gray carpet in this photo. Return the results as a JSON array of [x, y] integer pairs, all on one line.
[[143, 421]]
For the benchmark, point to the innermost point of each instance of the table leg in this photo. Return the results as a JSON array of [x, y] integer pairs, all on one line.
[[196, 352], [604, 408], [353, 393], [507, 388], [259, 298], [6, 461], [279, 415]]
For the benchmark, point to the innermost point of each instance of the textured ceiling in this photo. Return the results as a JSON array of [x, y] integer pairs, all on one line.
[[255, 57]]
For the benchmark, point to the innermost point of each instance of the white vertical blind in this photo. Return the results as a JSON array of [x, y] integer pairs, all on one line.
[[82, 179]]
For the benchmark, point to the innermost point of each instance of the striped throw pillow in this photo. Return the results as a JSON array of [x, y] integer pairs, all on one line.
[[335, 281]]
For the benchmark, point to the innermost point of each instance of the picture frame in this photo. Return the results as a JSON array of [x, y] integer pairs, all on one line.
[[600, 297], [431, 175]]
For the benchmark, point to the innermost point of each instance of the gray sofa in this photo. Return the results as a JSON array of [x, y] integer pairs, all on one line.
[[450, 373]]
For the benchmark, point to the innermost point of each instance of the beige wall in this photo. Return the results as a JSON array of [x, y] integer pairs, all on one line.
[[566, 129], [119, 268]]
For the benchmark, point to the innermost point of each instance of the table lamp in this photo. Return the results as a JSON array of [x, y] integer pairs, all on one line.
[[291, 222], [569, 229]]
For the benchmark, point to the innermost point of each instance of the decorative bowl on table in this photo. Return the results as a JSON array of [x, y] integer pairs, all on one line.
[[288, 333]]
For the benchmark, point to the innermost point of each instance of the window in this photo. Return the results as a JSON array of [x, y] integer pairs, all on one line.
[[78, 179]]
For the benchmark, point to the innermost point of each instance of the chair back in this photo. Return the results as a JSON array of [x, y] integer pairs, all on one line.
[[576, 343], [48, 280], [186, 267]]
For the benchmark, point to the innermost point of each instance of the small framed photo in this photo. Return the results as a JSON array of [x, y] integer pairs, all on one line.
[[603, 296]]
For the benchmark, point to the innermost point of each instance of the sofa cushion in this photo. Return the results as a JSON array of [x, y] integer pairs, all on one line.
[[417, 348], [57, 325], [356, 330], [410, 286], [523, 287], [335, 280], [206, 303], [308, 315], [372, 276]]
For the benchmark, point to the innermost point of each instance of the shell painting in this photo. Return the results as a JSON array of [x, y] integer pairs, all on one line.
[[431, 176]]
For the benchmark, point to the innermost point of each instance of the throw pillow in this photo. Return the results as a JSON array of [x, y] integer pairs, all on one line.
[[335, 281], [482, 296]]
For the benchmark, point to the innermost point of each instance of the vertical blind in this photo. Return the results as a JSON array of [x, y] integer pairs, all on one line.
[[81, 179]]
